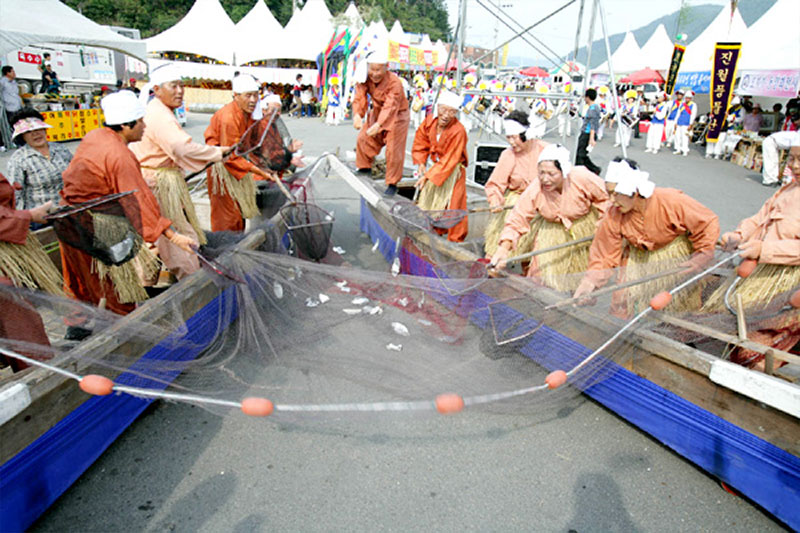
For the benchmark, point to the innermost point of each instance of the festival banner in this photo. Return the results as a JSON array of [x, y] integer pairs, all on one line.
[[394, 52], [771, 83], [674, 67], [726, 56]]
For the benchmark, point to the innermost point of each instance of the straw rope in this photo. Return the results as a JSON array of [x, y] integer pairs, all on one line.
[[175, 202], [554, 268], [433, 197], [27, 265], [766, 283], [491, 236], [644, 263], [243, 191]]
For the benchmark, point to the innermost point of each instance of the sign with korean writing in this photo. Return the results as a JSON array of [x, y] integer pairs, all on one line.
[[674, 67], [773, 83], [27, 57], [723, 76], [699, 82]]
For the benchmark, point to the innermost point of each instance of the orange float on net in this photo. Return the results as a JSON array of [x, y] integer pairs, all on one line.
[[257, 407], [794, 299], [555, 379], [96, 385], [746, 268], [449, 403], [660, 300]]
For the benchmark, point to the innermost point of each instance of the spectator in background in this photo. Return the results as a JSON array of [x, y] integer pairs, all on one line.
[[132, 86], [9, 94], [118, 86], [753, 120], [50, 83], [297, 89], [37, 166], [305, 99], [779, 117], [43, 71]]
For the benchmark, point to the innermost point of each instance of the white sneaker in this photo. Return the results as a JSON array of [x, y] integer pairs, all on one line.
[[616, 144], [685, 154], [676, 152], [708, 156]]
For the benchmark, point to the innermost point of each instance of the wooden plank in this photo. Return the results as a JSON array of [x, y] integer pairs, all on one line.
[[767, 389]]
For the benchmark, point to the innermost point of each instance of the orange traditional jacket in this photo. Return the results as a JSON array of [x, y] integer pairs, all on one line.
[[104, 165], [226, 129], [389, 102], [582, 190], [668, 213], [513, 172], [13, 224], [446, 153], [777, 225]]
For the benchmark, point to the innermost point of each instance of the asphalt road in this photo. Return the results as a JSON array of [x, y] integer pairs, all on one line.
[[577, 468]]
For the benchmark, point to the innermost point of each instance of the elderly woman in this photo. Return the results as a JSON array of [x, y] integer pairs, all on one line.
[[568, 201], [37, 166], [515, 170], [771, 237], [656, 228]]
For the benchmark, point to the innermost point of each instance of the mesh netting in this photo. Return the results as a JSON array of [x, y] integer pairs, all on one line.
[[310, 228], [109, 228], [265, 144]]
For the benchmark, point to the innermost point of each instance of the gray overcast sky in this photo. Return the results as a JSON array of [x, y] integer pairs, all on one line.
[[559, 31]]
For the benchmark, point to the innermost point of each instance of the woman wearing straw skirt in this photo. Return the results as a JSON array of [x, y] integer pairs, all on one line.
[[648, 230], [164, 153], [442, 139], [771, 237], [23, 263], [568, 201], [515, 170]]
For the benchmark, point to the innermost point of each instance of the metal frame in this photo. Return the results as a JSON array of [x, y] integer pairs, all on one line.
[[524, 33]]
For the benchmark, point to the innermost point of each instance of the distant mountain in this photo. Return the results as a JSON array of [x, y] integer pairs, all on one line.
[[696, 19]]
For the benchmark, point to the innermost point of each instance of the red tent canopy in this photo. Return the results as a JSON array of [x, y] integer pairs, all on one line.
[[645, 75], [534, 72]]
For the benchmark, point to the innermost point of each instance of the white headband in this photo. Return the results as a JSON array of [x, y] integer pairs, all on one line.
[[556, 152], [629, 180], [244, 83], [449, 98]]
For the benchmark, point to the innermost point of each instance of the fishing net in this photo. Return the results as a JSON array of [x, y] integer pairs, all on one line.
[[309, 228], [108, 228], [265, 144]]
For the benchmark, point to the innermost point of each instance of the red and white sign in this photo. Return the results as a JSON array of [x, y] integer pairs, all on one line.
[[26, 57]]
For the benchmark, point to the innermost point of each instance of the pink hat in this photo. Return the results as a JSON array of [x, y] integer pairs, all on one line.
[[28, 124]]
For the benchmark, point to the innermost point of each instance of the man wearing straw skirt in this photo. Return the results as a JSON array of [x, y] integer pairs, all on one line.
[[387, 120], [771, 237], [515, 170], [165, 152], [231, 185], [664, 229], [104, 165], [23, 263], [442, 139], [562, 205]]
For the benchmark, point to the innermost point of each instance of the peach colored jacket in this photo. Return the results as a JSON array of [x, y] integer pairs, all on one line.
[[668, 214], [513, 172], [777, 225], [166, 145], [582, 189]]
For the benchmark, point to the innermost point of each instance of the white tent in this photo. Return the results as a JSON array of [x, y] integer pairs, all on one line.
[[626, 58], [772, 41], [398, 34], [355, 22], [699, 54], [657, 51], [206, 30], [26, 22], [258, 35], [307, 33]]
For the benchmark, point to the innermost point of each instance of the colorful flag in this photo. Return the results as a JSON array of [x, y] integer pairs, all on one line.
[[674, 67], [723, 76]]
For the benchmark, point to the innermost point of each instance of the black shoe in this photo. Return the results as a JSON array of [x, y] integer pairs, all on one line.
[[364, 171], [76, 333], [391, 190]]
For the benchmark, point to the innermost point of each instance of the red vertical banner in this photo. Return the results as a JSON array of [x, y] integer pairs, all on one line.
[[674, 67], [723, 76]]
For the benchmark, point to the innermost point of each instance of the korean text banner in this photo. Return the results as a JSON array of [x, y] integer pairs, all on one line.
[[723, 76], [772, 83], [674, 67]]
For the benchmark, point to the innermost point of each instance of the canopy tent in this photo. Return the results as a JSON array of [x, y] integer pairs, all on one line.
[[206, 30], [695, 71], [355, 22], [55, 22], [626, 58], [258, 35], [646, 75], [188, 69], [398, 34], [534, 72], [772, 41], [657, 51], [307, 33]]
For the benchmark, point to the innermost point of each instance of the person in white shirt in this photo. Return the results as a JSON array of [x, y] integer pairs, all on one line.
[[9, 94], [770, 151]]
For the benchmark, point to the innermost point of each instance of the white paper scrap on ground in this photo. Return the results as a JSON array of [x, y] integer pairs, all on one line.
[[339, 250], [352, 311], [400, 329], [277, 288], [324, 298], [310, 302], [394, 347], [359, 300], [375, 246]]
